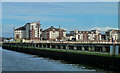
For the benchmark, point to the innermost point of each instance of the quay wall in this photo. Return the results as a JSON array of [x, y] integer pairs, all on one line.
[[101, 61]]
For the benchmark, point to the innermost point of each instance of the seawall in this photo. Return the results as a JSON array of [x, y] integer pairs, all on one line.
[[97, 60]]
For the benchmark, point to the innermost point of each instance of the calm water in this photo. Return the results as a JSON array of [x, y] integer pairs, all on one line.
[[15, 61]]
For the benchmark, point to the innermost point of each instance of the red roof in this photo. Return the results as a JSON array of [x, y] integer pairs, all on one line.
[[51, 29]]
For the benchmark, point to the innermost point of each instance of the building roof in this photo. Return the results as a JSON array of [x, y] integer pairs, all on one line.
[[112, 30], [53, 28], [21, 28]]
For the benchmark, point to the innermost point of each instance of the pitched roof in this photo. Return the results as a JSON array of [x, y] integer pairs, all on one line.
[[112, 30], [21, 28], [53, 28]]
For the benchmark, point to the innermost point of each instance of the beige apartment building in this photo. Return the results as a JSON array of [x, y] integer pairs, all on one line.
[[19, 33], [53, 33]]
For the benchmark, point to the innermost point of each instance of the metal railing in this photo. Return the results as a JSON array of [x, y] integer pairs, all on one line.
[[82, 42]]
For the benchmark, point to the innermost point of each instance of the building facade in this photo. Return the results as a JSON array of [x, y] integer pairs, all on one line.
[[112, 34], [33, 30], [53, 34], [29, 31], [84, 35], [20, 33]]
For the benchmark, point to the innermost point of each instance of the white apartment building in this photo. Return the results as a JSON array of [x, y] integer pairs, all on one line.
[[112, 34], [33, 30], [53, 34], [84, 35], [29, 31]]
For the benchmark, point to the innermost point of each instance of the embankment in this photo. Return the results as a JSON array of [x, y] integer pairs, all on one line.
[[104, 61]]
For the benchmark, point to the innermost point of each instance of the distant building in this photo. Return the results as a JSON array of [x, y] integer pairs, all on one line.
[[70, 37], [112, 34], [84, 35], [29, 31], [53, 33]]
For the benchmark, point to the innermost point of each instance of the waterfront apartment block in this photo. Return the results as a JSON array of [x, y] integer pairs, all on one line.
[[53, 33], [84, 35], [29, 31], [20, 33], [112, 35], [33, 31]]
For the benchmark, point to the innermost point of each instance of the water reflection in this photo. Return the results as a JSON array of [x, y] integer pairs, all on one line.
[[15, 61]]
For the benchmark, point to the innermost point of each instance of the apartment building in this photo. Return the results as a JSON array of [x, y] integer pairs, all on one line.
[[53, 33], [112, 34], [84, 35], [20, 33], [28, 31]]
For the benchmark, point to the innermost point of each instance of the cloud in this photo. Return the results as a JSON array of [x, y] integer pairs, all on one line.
[[102, 29]]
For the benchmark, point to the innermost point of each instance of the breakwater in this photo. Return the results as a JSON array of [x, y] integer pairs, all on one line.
[[104, 61]]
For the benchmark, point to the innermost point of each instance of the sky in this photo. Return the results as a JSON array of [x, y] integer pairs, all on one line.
[[60, 0], [69, 15]]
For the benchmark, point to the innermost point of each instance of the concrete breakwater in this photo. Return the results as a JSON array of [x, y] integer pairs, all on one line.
[[104, 61]]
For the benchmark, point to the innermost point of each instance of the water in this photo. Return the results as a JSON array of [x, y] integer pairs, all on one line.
[[15, 61]]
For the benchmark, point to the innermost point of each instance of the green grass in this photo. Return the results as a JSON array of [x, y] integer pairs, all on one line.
[[79, 52]]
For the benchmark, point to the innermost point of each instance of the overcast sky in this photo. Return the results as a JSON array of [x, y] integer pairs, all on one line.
[[69, 15]]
